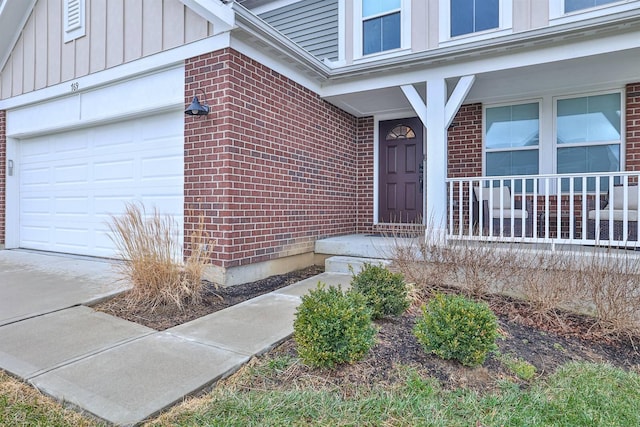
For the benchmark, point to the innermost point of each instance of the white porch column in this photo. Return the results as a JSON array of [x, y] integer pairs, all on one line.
[[436, 161]]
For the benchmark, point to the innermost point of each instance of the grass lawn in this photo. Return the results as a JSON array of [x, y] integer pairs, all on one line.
[[579, 394], [576, 395], [22, 405]]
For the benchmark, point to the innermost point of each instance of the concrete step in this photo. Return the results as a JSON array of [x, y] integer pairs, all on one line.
[[363, 245], [340, 264]]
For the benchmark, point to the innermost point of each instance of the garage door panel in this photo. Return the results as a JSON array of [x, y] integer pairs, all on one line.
[[70, 174], [73, 144], [71, 183], [116, 171]]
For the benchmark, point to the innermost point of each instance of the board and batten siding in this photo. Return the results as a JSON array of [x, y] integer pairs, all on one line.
[[117, 31], [313, 24]]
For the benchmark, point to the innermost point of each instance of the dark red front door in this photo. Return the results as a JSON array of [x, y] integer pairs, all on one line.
[[400, 171]]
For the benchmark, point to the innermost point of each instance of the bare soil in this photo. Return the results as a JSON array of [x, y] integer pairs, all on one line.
[[543, 342]]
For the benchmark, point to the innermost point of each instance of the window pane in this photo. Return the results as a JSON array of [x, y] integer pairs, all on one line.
[[470, 16], [461, 17], [521, 162], [512, 126], [573, 5], [391, 31], [380, 34], [590, 158], [375, 7], [487, 14], [589, 119], [372, 36]]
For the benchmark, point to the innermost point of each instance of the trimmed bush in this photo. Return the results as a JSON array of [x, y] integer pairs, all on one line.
[[385, 292], [332, 327], [455, 327]]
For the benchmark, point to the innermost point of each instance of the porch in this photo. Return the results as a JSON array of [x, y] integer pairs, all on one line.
[[590, 209]]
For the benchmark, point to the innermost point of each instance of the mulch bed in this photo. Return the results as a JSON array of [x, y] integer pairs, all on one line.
[[213, 299], [524, 335]]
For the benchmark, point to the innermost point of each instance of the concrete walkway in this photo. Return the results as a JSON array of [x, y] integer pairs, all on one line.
[[114, 369]]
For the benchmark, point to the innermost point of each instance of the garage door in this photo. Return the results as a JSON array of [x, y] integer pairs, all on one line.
[[71, 182]]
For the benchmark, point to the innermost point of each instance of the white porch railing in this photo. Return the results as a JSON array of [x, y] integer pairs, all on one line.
[[583, 209]]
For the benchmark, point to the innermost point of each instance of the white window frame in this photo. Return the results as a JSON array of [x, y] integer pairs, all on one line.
[[405, 30], [505, 24], [484, 132], [75, 28], [621, 142], [548, 136], [558, 16]]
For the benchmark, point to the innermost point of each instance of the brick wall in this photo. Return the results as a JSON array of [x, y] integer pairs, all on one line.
[[272, 167], [465, 142], [633, 127], [3, 162], [366, 168]]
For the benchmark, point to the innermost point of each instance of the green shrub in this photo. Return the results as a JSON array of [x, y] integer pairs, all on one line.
[[454, 327], [386, 292], [332, 327]]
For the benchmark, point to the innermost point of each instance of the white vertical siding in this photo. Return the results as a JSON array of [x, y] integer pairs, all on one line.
[[41, 40], [98, 35], [117, 31]]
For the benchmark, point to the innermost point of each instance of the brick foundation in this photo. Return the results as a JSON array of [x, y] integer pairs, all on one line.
[[272, 168]]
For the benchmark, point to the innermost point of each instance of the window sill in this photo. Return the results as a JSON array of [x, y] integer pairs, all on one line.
[[557, 18], [472, 37], [381, 55]]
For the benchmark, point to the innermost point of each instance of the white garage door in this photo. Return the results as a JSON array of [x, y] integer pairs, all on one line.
[[71, 182]]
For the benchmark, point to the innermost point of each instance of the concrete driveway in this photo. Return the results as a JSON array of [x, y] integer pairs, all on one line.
[[32, 284]]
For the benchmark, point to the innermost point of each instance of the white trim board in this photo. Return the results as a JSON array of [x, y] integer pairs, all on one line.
[[148, 94], [162, 60]]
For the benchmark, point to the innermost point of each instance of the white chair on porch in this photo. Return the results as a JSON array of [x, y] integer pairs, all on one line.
[[496, 204]]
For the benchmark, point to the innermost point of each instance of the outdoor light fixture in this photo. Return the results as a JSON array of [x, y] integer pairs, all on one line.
[[197, 109]]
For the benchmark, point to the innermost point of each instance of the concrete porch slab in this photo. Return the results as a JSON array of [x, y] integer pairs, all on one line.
[[250, 328], [363, 245], [34, 346], [134, 381]]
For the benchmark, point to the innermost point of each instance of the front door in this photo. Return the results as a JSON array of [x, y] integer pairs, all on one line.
[[401, 174]]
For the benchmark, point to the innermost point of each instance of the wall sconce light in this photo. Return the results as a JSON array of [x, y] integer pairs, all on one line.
[[197, 109]]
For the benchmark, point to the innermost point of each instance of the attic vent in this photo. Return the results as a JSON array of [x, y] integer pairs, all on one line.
[[73, 19], [73, 14]]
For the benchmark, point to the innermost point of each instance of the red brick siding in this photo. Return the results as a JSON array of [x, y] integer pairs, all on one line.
[[366, 170], [272, 168], [3, 183], [633, 127], [465, 143]]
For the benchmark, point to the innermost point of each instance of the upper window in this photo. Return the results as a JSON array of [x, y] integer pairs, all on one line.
[[462, 21], [381, 25], [573, 5], [472, 16]]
